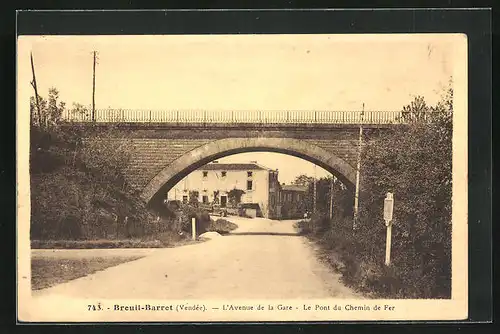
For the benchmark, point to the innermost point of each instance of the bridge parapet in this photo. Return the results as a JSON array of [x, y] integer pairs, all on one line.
[[158, 143], [236, 116]]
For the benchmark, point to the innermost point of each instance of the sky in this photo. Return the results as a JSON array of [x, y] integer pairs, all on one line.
[[288, 166], [242, 72], [247, 72]]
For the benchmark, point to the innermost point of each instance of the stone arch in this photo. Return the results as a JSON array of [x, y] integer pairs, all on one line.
[[201, 155]]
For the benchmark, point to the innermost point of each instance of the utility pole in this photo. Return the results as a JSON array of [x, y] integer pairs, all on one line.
[[332, 186], [93, 89], [314, 190], [358, 167], [33, 83]]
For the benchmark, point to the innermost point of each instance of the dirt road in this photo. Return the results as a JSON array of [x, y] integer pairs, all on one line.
[[261, 259]]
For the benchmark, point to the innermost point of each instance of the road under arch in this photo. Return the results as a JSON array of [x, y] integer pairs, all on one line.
[[196, 158]]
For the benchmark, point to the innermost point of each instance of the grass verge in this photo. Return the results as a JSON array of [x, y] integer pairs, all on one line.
[[361, 263], [164, 240], [47, 272], [88, 244]]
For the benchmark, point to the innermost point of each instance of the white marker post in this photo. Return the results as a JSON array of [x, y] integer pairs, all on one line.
[[388, 209], [193, 227]]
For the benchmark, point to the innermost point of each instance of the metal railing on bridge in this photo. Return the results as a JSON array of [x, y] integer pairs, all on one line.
[[235, 116]]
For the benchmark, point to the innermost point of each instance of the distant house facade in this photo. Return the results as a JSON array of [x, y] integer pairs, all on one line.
[[212, 183], [294, 199]]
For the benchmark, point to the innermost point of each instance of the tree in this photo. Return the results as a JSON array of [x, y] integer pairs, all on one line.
[[216, 196], [342, 198], [416, 111], [38, 119], [55, 109], [79, 112], [193, 198], [234, 196], [414, 162], [77, 177], [51, 110], [303, 180]]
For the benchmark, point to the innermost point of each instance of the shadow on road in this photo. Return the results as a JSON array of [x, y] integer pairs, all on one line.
[[263, 233]]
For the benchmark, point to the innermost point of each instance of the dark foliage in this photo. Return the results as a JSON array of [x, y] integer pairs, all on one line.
[[184, 222], [78, 188], [234, 196], [413, 162]]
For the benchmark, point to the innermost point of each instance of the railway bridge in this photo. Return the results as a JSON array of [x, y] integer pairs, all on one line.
[[168, 145]]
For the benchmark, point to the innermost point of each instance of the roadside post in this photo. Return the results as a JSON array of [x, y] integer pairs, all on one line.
[[388, 209], [193, 227], [115, 216]]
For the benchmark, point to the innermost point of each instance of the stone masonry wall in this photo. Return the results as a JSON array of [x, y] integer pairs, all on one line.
[[156, 146]]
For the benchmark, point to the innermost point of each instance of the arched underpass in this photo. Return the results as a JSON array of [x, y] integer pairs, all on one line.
[[196, 158]]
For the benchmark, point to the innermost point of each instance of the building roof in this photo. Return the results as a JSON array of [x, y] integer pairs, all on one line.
[[233, 166], [293, 187]]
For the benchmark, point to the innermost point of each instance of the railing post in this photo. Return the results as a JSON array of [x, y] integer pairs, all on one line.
[[254, 116]]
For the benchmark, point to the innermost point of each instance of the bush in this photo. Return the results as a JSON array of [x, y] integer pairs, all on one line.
[[222, 226], [68, 204], [183, 223], [77, 186]]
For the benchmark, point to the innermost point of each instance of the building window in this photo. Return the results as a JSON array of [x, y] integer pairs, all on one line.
[[249, 174], [205, 199], [249, 185], [224, 174], [184, 199], [205, 173]]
